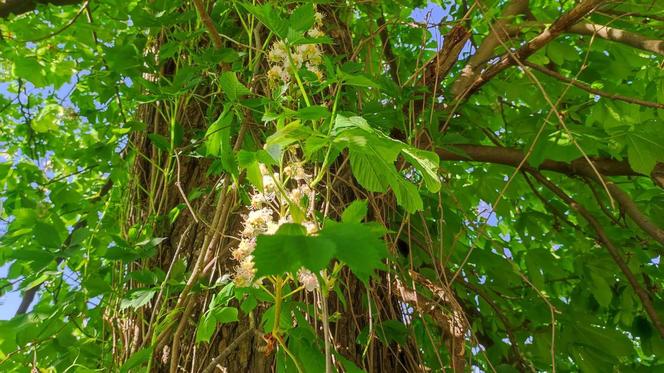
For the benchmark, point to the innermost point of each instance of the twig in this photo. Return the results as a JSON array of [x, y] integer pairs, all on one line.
[[586, 87], [613, 250]]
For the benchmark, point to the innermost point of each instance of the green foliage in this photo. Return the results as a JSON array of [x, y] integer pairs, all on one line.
[[132, 151]]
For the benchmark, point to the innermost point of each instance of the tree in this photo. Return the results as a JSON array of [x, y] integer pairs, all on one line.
[[255, 186]]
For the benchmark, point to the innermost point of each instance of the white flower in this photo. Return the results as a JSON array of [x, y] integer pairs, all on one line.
[[307, 279], [258, 200], [244, 249], [311, 227], [244, 273], [315, 32], [319, 18], [296, 194], [278, 53], [257, 222]]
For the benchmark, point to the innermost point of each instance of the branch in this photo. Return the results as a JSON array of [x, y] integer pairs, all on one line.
[[18, 7], [485, 50], [513, 157], [578, 167], [612, 249], [586, 87], [605, 32], [508, 59], [620, 36], [208, 23]]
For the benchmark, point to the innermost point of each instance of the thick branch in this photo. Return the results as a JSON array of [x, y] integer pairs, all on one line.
[[620, 36], [588, 88], [513, 157], [18, 7]]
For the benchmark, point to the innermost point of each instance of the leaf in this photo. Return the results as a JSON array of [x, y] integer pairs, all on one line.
[[645, 147], [29, 68], [160, 141], [206, 327], [218, 140], [289, 249], [427, 163], [360, 246], [302, 18], [314, 112], [355, 212], [50, 116], [269, 17], [137, 359], [224, 315], [232, 87], [601, 290], [47, 235], [284, 136], [138, 298]]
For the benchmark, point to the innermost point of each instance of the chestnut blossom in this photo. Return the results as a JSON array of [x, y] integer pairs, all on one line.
[[307, 279]]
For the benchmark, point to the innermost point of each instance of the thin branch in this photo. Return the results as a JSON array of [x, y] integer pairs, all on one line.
[[208, 23], [512, 157], [488, 45], [18, 7], [65, 27], [508, 59], [586, 87], [614, 252]]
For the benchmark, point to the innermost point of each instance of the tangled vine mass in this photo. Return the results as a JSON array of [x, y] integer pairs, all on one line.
[[331, 186]]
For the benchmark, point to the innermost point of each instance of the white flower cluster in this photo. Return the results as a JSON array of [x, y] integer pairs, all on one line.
[[284, 60], [270, 208]]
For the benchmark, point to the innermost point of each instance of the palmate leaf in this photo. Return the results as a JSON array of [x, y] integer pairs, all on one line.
[[358, 245], [372, 156], [645, 146]]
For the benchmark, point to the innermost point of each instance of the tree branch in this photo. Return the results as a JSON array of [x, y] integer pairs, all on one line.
[[513, 157], [612, 249], [508, 59], [586, 87], [620, 36], [18, 7], [208, 23], [486, 48]]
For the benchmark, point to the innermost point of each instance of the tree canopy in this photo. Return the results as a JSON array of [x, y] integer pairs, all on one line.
[[378, 186]]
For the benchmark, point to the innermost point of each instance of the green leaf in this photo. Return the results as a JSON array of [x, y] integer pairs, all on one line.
[[302, 18], [314, 112], [645, 147], [270, 17], [206, 327], [47, 235], [138, 298], [29, 68], [218, 140], [427, 163], [360, 246], [137, 359], [232, 86], [160, 141], [225, 315], [289, 249], [601, 289], [284, 136], [355, 212], [49, 118]]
